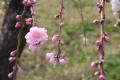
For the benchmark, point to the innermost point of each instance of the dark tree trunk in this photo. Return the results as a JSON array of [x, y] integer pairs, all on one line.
[[8, 37]]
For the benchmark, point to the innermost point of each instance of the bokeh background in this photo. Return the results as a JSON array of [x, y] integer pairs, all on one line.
[[78, 56]]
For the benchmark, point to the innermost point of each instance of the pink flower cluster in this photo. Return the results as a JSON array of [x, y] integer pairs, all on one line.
[[52, 58], [56, 39], [36, 36]]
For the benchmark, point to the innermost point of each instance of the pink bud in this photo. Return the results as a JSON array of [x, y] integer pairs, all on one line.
[[29, 2], [107, 40], [29, 21], [56, 17], [12, 54], [102, 77], [25, 2], [95, 21], [55, 38], [18, 25], [99, 5], [11, 59], [96, 74], [34, 1], [41, 43], [49, 55], [98, 43], [94, 65], [62, 43], [10, 75], [14, 68], [63, 10], [53, 61], [19, 69], [62, 54], [18, 17], [62, 62], [61, 24], [105, 33], [32, 47]]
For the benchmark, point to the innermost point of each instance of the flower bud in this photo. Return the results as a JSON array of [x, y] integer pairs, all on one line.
[[62, 43], [96, 74], [94, 65], [61, 24], [56, 17], [18, 17], [102, 77], [62, 62], [63, 10], [98, 43], [107, 40], [55, 38], [95, 21], [10, 75], [18, 25], [99, 5], [11, 59]]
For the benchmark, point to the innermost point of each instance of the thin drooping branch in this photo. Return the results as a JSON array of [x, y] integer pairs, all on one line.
[[100, 42], [102, 37], [82, 21]]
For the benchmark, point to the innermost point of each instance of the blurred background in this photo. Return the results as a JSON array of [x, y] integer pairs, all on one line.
[[78, 56]]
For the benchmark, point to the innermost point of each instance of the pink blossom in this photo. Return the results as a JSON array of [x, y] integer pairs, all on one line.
[[49, 55], [61, 24], [18, 25], [62, 54], [107, 40], [18, 17], [14, 68], [53, 61], [98, 43], [99, 5], [63, 10], [96, 74], [105, 33], [56, 17], [12, 54], [62, 43], [10, 75], [41, 43], [32, 47], [25, 2], [62, 62], [19, 69], [102, 77], [36, 35], [55, 38], [29, 21], [95, 21], [34, 1], [11, 59], [94, 65]]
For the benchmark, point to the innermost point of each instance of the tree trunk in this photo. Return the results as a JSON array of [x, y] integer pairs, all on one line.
[[8, 37]]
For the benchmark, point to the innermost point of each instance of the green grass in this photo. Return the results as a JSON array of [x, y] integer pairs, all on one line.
[[79, 57]]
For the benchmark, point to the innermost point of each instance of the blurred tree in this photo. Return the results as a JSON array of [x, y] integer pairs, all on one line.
[[8, 36]]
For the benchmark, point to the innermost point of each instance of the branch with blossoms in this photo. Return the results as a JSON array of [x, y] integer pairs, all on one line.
[[35, 37], [57, 39], [100, 43]]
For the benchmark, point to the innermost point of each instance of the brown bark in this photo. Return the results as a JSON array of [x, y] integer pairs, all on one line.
[[8, 37]]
